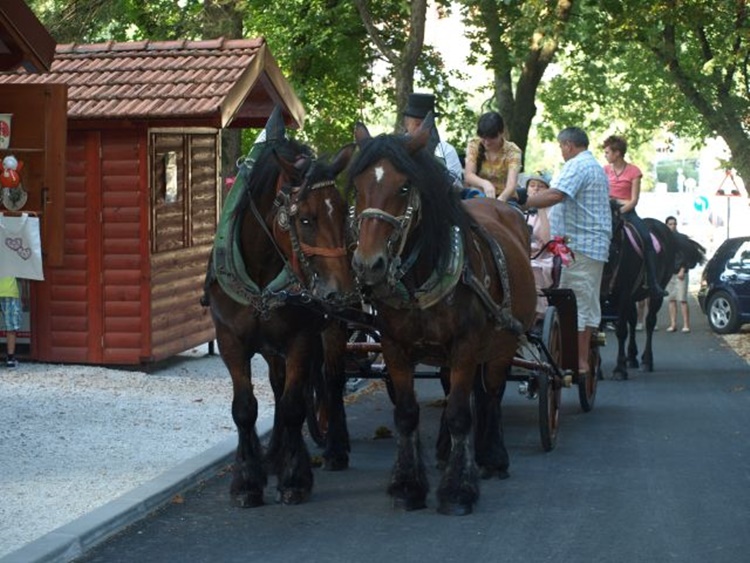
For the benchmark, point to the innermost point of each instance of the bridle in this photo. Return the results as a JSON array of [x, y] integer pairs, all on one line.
[[402, 226], [286, 209]]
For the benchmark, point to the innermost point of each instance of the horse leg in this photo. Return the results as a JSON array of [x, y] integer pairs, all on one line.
[[459, 486], [443, 446], [294, 467], [632, 344], [249, 476], [621, 331], [277, 377], [408, 486], [648, 355], [489, 444], [336, 454]]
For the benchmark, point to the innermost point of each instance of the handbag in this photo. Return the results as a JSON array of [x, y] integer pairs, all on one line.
[[20, 247]]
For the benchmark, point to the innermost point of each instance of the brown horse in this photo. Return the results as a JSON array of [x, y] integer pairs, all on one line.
[[282, 235], [453, 287]]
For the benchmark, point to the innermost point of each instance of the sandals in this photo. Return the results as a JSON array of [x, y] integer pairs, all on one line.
[[671, 329]]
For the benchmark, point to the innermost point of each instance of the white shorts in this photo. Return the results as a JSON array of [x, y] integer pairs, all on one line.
[[584, 277], [678, 288]]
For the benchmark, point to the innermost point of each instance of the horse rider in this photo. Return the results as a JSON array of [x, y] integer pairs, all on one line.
[[625, 187]]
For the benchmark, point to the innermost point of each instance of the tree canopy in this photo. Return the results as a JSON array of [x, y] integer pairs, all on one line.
[[674, 66]]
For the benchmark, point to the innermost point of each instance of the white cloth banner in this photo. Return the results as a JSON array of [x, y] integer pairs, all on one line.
[[20, 247]]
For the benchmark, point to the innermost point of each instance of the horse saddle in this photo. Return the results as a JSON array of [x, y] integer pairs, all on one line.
[[632, 235], [627, 235]]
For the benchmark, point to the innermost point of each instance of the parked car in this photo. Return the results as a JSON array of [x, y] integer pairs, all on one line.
[[724, 295]]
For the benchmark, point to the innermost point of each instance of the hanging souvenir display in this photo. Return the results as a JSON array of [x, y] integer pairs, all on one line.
[[21, 247], [14, 195]]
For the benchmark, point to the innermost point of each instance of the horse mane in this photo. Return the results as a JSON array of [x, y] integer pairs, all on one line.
[[440, 205], [259, 179]]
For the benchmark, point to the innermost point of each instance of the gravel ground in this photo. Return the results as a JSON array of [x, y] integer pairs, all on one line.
[[73, 438]]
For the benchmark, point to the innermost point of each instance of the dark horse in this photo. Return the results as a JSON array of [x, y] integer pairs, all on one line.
[[624, 284], [281, 242], [453, 287]]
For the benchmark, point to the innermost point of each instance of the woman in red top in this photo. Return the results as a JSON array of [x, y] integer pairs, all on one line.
[[625, 187]]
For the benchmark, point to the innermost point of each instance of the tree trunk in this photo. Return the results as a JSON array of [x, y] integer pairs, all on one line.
[[518, 110], [404, 62], [739, 144]]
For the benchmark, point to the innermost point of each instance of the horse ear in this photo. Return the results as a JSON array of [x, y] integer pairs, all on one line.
[[361, 134], [419, 140], [342, 158], [275, 128], [291, 169]]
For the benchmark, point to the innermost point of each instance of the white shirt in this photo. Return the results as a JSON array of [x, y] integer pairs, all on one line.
[[448, 154]]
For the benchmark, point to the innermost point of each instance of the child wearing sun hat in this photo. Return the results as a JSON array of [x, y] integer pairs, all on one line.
[[541, 262]]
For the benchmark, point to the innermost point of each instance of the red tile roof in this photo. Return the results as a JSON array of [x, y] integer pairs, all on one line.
[[213, 82]]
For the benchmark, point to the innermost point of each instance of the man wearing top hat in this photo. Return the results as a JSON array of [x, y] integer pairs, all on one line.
[[417, 108]]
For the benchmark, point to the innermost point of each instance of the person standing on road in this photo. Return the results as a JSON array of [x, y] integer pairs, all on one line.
[[10, 307], [579, 197], [678, 288]]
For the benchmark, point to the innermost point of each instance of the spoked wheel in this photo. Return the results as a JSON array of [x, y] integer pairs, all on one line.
[[316, 412], [587, 382], [549, 386]]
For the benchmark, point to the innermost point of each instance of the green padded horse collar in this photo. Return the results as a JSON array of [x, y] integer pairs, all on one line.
[[437, 286], [227, 265]]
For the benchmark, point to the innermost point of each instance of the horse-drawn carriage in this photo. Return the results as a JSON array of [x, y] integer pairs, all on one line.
[[450, 285]]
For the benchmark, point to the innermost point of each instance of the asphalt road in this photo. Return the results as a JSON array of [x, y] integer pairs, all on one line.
[[658, 471]]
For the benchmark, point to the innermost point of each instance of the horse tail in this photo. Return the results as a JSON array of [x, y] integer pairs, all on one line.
[[689, 252]]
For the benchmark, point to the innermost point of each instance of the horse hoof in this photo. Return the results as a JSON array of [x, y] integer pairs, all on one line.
[[248, 499], [292, 496], [490, 472], [455, 508]]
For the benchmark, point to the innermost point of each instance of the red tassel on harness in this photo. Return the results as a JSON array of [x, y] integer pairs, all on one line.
[[557, 247]]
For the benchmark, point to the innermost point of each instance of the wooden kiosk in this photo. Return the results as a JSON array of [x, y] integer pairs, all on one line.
[[139, 204]]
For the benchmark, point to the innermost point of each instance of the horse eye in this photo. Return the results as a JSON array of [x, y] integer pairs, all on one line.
[[305, 221], [403, 190]]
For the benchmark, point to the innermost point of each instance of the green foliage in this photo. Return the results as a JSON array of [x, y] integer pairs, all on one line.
[[321, 47], [94, 21], [611, 76]]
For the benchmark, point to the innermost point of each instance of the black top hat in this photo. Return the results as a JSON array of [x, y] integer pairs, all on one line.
[[419, 105]]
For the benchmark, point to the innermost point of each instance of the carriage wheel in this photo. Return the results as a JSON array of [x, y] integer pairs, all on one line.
[[550, 387], [587, 382], [316, 414]]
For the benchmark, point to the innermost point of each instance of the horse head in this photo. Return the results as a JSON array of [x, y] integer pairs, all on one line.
[[400, 192], [309, 224]]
